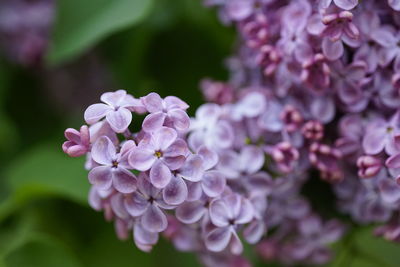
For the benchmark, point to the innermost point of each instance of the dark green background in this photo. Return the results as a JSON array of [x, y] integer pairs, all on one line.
[[166, 46]]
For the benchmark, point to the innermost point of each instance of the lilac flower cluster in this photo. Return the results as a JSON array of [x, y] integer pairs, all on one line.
[[314, 93]]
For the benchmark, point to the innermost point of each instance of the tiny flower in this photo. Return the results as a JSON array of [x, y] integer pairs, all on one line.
[[161, 153], [291, 118], [227, 214], [169, 112], [313, 130], [325, 159], [113, 169], [78, 143], [285, 156], [117, 110], [316, 73], [368, 166], [147, 204]]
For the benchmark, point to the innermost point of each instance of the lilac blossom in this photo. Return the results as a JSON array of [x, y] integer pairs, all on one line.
[[114, 167], [169, 111], [161, 153], [227, 214], [78, 143], [116, 108]]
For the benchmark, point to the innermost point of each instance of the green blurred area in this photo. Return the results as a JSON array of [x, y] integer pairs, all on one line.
[[104, 45]]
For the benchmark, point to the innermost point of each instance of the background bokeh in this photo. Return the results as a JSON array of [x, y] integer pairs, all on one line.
[[56, 58]]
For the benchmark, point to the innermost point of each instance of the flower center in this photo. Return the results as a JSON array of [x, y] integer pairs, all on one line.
[[158, 154], [389, 129], [115, 164]]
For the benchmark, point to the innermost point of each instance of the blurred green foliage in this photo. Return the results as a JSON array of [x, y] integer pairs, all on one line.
[[141, 46]]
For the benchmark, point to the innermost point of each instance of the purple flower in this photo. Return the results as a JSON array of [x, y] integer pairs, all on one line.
[[368, 166], [161, 153], [325, 159], [117, 110], [227, 214], [114, 167], [285, 156], [169, 112], [316, 73], [146, 204], [238, 165], [380, 135], [313, 130], [78, 142]]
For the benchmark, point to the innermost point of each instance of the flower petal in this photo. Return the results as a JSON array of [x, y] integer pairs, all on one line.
[[190, 212], [101, 177], [374, 141], [119, 120], [390, 190], [103, 151], [177, 148], [154, 220], [175, 102], [95, 112], [219, 213], [210, 158], [175, 192], [218, 239], [113, 98], [251, 159], [192, 170], [332, 50], [346, 4], [124, 181], [254, 231], [142, 158], [160, 175], [213, 183], [153, 121], [142, 236], [236, 246], [153, 102], [179, 119], [136, 204], [163, 138], [393, 161], [246, 212]]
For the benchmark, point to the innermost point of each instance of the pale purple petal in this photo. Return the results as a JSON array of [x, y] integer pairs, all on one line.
[[180, 119], [195, 191], [113, 98], [153, 121], [174, 163], [175, 192], [163, 138], [175, 102], [153, 102], [124, 181], [219, 213], [94, 199], [210, 158], [160, 175], [154, 220], [192, 170], [218, 239], [393, 161], [233, 203], [178, 148], [142, 236], [142, 158], [374, 141], [251, 159], [254, 231], [332, 50], [96, 112], [190, 212], [246, 212], [395, 4], [101, 177], [213, 183], [136, 204], [390, 190], [384, 37], [119, 120], [235, 245], [346, 4]]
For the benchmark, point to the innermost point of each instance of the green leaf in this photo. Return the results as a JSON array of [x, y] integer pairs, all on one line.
[[81, 24], [384, 252], [44, 171], [41, 251]]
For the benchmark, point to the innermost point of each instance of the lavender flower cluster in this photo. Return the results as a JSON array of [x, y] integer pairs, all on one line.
[[314, 89]]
